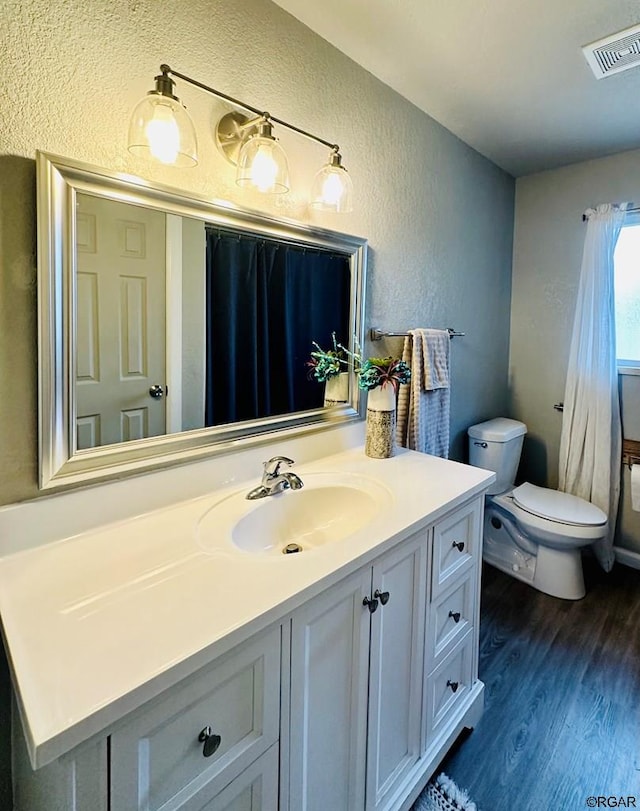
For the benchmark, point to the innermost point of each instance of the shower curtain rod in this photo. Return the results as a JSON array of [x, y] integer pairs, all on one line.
[[378, 334]]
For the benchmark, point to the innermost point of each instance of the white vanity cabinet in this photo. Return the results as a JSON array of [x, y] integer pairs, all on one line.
[[348, 700]]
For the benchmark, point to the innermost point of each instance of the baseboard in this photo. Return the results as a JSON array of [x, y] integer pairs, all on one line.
[[627, 557]]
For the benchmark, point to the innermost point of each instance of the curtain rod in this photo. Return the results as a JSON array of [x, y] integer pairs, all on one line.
[[377, 334], [633, 208]]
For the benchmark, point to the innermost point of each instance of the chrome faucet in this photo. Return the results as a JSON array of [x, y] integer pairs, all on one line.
[[273, 481]]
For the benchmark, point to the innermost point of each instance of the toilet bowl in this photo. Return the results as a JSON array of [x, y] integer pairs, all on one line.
[[532, 533]]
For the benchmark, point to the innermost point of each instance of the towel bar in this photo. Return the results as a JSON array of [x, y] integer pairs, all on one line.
[[377, 334]]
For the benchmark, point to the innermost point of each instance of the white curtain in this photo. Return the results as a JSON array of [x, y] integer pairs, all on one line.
[[590, 445]]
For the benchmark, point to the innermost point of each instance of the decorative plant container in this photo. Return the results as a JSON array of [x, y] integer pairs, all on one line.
[[336, 389], [380, 441]]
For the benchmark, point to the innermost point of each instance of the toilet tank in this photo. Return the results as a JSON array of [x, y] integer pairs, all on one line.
[[496, 445]]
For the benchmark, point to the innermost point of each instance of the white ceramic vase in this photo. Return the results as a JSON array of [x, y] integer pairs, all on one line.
[[336, 389]]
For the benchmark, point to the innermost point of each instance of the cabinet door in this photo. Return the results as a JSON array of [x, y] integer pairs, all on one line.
[[396, 670], [329, 669]]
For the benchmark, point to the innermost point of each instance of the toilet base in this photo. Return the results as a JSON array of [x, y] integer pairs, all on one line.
[[553, 571], [559, 573]]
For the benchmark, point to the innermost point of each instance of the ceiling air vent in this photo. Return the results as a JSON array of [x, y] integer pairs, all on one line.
[[614, 54]]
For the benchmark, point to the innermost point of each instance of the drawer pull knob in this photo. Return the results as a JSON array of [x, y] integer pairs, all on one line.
[[210, 740], [372, 605], [455, 616], [459, 545], [383, 596], [453, 685]]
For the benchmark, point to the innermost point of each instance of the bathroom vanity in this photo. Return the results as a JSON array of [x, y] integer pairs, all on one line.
[[166, 662], [165, 654]]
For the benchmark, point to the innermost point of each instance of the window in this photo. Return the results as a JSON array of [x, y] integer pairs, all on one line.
[[627, 292]]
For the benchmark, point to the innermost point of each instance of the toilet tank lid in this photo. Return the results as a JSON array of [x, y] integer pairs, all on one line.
[[500, 429], [558, 506]]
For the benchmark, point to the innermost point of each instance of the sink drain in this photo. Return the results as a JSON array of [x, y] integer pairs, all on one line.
[[291, 549]]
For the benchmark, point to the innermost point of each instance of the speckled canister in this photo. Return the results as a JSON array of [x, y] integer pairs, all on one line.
[[380, 439]]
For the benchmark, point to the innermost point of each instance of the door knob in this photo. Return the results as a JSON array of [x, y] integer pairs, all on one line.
[[453, 685], [459, 545], [157, 391], [455, 616], [383, 596]]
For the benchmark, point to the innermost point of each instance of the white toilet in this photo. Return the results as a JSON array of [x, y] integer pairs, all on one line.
[[531, 532]]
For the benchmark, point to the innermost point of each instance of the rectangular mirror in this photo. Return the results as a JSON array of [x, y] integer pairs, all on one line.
[[171, 328]]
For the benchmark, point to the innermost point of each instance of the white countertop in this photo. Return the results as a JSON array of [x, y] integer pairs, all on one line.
[[99, 623]]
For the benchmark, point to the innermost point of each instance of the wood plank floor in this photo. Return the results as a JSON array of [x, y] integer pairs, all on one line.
[[562, 697]]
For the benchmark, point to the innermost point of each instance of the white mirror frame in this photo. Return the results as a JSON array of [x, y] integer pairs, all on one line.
[[59, 180]]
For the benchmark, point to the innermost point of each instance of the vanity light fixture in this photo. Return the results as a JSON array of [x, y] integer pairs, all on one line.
[[161, 128]]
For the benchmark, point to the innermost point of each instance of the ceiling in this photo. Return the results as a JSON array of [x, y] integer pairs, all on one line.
[[508, 77]]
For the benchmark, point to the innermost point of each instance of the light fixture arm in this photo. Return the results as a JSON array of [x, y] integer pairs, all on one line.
[[260, 114]]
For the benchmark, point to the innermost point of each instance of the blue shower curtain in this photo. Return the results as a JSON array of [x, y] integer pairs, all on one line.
[[266, 302]]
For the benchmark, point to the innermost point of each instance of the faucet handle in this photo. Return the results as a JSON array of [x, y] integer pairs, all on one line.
[[272, 467]]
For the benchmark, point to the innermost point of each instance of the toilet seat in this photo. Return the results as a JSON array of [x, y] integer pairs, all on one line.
[[554, 505], [548, 531]]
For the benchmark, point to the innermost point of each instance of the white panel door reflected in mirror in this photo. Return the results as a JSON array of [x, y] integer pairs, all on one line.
[[120, 322]]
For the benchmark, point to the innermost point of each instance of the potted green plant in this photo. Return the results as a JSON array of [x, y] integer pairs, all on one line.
[[331, 367], [381, 378]]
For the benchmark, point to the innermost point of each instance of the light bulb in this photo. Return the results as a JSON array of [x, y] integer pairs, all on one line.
[[160, 127], [163, 134], [264, 169], [262, 163], [332, 190]]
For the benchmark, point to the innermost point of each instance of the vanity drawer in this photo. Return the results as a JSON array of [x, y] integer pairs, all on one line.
[[455, 544], [448, 684], [158, 760], [256, 789], [449, 618]]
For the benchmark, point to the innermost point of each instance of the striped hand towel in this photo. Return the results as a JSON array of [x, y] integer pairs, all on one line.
[[423, 405]]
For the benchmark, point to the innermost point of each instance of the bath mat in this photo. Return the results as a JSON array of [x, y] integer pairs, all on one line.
[[442, 794]]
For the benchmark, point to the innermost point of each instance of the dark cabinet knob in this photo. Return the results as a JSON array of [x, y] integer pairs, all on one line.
[[210, 740], [372, 605], [455, 616], [383, 596], [453, 685], [459, 545]]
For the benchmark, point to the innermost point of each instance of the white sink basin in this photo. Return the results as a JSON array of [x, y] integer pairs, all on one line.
[[329, 508]]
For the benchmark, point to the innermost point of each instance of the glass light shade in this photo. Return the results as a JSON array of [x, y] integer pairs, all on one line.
[[262, 165], [160, 128], [332, 188]]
